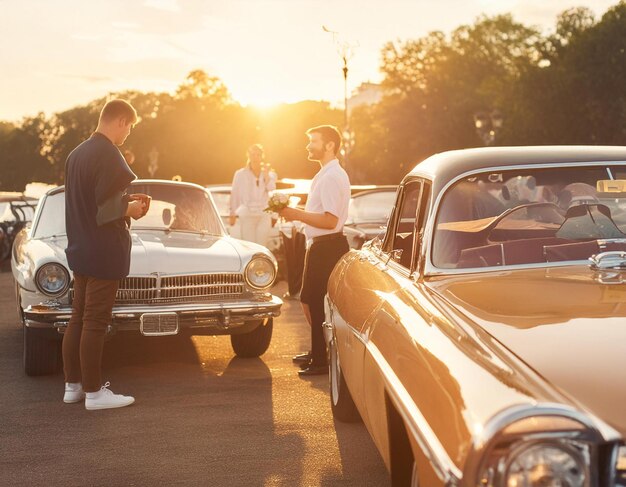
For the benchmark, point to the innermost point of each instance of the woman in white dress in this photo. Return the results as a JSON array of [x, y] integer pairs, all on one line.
[[249, 195]]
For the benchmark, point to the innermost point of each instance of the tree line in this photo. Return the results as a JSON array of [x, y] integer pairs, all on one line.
[[493, 82]]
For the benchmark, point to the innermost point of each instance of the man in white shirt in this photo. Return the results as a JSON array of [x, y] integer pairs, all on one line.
[[324, 216], [249, 195]]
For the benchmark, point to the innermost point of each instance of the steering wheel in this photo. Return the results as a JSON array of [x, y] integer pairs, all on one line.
[[530, 207]]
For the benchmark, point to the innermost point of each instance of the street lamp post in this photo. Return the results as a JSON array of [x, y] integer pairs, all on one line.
[[487, 125], [153, 161], [345, 50]]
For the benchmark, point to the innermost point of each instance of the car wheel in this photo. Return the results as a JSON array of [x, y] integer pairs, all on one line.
[[255, 342], [341, 402], [41, 350]]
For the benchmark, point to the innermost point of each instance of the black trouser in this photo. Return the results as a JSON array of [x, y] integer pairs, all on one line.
[[319, 262]]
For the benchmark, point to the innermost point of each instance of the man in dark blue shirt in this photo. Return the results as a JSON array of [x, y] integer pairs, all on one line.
[[97, 212]]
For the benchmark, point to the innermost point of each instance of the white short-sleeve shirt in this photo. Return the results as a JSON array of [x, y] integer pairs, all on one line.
[[330, 193]]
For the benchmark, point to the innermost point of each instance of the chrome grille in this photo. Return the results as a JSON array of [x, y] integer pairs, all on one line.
[[201, 286], [136, 290], [175, 289]]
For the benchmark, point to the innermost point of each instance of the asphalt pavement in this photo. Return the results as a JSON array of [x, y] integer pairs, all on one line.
[[202, 417]]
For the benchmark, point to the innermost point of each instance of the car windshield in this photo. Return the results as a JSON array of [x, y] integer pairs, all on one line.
[[372, 207], [173, 208], [179, 208], [531, 216], [51, 221]]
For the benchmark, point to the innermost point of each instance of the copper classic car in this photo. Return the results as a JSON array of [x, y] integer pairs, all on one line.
[[482, 340], [186, 274]]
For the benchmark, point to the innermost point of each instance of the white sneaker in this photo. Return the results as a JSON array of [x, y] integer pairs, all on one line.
[[73, 393], [106, 399]]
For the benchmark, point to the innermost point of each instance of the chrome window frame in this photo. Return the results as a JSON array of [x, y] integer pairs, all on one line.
[[393, 222]]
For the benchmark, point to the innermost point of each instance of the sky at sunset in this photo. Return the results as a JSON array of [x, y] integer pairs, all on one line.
[[56, 54]]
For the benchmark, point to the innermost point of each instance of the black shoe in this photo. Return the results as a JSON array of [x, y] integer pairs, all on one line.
[[314, 370], [305, 365], [302, 358]]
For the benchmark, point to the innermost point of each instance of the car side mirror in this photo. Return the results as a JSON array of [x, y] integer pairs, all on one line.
[[167, 217], [395, 255], [377, 243]]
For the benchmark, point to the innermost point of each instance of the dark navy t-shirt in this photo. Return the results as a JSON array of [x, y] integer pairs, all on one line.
[[95, 172]]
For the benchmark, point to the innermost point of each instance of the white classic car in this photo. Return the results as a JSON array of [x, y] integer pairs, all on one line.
[[186, 273]]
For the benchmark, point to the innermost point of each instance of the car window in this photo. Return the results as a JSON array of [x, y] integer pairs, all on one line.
[[371, 207], [51, 221], [400, 240], [529, 216], [422, 215]]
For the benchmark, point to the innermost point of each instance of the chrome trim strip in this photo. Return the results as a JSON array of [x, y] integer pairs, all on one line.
[[510, 267], [430, 269], [273, 306]]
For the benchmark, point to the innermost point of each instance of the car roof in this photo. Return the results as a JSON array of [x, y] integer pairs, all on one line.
[[446, 166], [363, 190], [136, 182]]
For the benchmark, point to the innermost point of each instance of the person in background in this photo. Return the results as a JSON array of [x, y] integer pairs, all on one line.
[[324, 216], [97, 217], [249, 196], [129, 155]]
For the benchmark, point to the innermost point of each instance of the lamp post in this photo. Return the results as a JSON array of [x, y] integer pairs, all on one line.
[[153, 164], [488, 124], [345, 50]]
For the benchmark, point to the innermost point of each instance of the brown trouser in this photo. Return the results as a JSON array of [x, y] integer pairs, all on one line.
[[83, 341]]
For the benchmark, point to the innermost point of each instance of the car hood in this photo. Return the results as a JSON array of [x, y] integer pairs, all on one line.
[[182, 253], [176, 253], [563, 322]]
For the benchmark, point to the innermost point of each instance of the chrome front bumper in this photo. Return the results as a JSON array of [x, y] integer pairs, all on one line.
[[220, 317]]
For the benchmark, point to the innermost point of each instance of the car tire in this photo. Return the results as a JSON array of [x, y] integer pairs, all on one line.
[[341, 402], [40, 352], [254, 343]]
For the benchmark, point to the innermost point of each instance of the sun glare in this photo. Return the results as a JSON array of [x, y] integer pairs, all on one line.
[[263, 102], [261, 98]]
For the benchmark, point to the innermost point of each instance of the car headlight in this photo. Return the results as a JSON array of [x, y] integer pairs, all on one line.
[[546, 465], [537, 451], [260, 272], [52, 279]]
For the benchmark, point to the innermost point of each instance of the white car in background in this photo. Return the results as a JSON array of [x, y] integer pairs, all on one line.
[[368, 213]]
